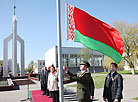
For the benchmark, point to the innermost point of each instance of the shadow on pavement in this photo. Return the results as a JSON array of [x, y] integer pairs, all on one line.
[[70, 96]]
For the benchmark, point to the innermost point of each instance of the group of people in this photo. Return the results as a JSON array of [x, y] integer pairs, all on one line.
[[1, 71], [49, 82], [113, 86]]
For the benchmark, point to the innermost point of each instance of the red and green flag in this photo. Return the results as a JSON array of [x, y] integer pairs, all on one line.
[[93, 33]]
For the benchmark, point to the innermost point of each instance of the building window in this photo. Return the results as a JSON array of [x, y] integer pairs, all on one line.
[[96, 62], [40, 63], [74, 61], [78, 60], [65, 59]]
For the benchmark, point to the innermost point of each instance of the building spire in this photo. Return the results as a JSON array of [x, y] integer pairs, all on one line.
[[14, 7]]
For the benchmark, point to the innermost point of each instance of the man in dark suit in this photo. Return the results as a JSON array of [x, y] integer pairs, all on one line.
[[113, 85], [1, 71], [84, 82], [45, 80], [41, 78]]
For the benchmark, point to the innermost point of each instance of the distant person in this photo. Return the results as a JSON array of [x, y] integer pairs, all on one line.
[[32, 72], [53, 84], [46, 73], [84, 82], [1, 71], [41, 79], [113, 86]]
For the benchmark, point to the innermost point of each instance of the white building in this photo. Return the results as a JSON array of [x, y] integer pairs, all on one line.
[[71, 57], [38, 64]]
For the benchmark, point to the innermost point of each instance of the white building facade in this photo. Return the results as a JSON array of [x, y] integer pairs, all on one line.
[[38, 64], [71, 57]]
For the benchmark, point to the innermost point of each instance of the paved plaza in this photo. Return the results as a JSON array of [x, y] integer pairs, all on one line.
[[130, 91]]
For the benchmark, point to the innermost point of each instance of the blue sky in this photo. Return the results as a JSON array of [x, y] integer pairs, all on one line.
[[37, 21]]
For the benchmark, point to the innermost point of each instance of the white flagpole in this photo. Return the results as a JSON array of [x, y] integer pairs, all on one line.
[[59, 52]]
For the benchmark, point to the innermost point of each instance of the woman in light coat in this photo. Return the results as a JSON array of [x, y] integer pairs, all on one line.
[[53, 84]]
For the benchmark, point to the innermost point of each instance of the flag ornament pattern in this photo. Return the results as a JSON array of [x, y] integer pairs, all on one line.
[[70, 23], [93, 33]]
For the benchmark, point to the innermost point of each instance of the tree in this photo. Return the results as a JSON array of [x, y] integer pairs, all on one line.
[[31, 63], [30, 67], [18, 68], [107, 61], [26, 70], [1, 62], [129, 34], [85, 54]]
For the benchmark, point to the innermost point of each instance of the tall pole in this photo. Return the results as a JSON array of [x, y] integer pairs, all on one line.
[[59, 52], [93, 61]]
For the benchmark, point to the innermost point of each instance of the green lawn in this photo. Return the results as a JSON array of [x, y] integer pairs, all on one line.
[[135, 98], [98, 81], [121, 72]]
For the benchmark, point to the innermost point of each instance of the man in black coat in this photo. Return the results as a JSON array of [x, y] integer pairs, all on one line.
[[41, 78], [1, 71], [45, 80], [113, 86]]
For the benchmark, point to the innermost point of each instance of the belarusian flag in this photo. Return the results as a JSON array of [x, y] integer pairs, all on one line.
[[93, 33]]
